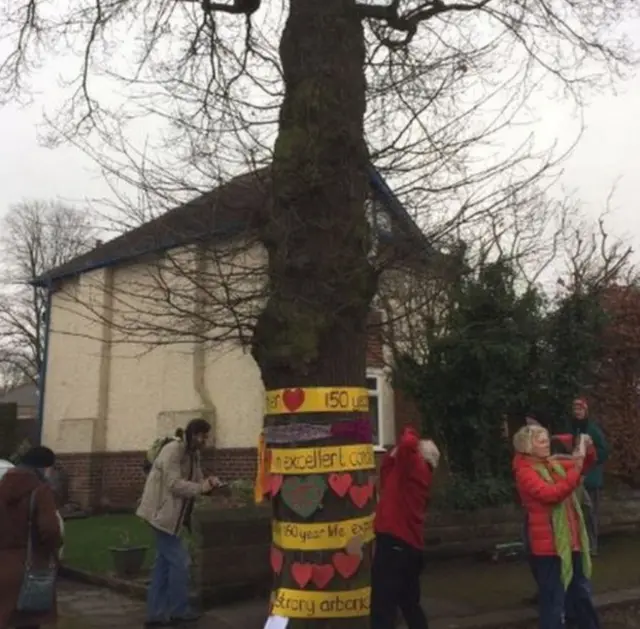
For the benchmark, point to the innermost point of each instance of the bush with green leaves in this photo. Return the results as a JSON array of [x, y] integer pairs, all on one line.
[[498, 351]]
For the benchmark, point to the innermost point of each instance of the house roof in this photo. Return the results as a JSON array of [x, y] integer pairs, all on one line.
[[22, 395], [221, 213]]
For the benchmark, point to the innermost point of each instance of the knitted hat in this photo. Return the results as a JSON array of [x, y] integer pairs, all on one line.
[[38, 457], [581, 403], [531, 419]]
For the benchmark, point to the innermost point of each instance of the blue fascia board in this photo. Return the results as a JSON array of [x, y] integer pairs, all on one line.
[[47, 280], [377, 182]]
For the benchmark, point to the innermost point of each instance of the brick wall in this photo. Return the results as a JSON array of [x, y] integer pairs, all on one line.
[[114, 480], [232, 554]]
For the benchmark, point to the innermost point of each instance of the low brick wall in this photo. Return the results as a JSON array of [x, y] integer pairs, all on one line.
[[463, 533], [232, 553], [232, 545], [110, 481], [114, 480]]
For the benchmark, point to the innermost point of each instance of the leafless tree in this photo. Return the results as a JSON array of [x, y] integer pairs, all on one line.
[[10, 377], [36, 236], [594, 260], [533, 234], [424, 88]]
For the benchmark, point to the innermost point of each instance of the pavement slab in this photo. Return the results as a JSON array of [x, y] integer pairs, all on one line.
[[102, 607], [92, 607]]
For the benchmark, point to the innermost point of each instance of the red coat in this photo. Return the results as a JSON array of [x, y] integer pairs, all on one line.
[[538, 498], [405, 481], [15, 489]]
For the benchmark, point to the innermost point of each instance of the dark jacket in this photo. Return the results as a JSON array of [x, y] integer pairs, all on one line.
[[405, 481], [594, 478], [15, 491]]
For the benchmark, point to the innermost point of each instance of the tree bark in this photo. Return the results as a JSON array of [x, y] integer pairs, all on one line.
[[312, 331]]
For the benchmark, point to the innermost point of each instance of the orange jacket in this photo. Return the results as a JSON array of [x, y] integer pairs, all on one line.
[[538, 497]]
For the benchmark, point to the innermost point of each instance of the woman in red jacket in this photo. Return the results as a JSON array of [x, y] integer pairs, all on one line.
[[405, 481], [559, 544]]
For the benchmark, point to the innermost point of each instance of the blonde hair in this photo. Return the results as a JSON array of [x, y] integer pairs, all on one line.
[[523, 439]]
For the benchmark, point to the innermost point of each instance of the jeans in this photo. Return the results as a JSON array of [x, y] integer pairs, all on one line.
[[168, 595], [551, 594], [395, 584]]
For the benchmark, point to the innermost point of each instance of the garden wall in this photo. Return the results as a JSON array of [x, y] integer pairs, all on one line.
[[232, 547], [231, 553]]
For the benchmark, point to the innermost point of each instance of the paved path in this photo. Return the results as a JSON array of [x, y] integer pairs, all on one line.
[[101, 608], [91, 607]]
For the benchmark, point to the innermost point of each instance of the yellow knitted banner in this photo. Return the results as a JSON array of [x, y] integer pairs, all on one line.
[[317, 400]]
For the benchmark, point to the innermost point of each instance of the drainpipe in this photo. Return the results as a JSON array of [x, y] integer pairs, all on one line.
[[42, 377], [199, 350], [99, 437]]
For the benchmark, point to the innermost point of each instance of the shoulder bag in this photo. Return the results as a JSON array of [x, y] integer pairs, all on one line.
[[37, 592]]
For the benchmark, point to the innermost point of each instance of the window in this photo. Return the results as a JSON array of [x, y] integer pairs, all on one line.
[[378, 216], [379, 221], [374, 385]]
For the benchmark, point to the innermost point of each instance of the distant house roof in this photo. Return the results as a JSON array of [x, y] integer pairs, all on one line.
[[24, 395], [226, 211]]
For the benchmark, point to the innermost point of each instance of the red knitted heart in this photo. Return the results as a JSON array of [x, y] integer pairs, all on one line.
[[293, 399], [340, 483], [277, 560], [360, 495], [322, 575], [346, 565], [301, 573]]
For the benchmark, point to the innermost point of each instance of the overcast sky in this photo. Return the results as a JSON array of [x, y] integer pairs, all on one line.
[[608, 155]]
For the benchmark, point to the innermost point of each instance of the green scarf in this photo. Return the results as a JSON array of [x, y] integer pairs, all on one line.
[[561, 531]]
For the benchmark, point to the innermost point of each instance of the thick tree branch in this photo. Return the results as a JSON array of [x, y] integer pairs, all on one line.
[[408, 23], [237, 7]]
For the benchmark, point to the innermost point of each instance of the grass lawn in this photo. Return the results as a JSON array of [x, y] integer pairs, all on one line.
[[479, 585], [87, 541], [487, 586]]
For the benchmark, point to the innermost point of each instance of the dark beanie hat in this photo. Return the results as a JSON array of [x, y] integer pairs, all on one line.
[[38, 457]]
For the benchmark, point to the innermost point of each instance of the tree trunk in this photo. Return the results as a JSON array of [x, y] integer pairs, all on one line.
[[312, 332]]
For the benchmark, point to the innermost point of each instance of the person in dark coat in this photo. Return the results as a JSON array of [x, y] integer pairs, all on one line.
[[581, 423], [16, 487]]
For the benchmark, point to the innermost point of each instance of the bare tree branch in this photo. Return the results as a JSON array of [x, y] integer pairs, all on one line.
[[36, 236]]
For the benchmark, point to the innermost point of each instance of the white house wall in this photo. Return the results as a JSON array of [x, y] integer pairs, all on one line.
[[152, 389], [107, 391]]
